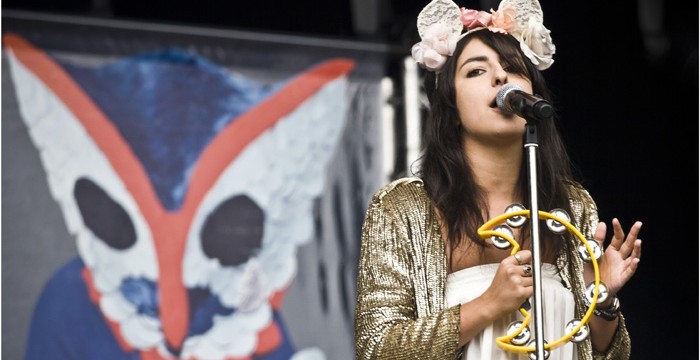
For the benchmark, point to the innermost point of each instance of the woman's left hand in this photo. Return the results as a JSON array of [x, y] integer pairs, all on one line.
[[621, 257]]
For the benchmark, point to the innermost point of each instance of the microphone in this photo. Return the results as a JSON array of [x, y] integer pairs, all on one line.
[[511, 99]]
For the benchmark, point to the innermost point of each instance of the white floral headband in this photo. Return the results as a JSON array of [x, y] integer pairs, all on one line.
[[441, 22]]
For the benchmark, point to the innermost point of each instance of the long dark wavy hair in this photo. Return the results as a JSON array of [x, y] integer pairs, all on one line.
[[447, 176]]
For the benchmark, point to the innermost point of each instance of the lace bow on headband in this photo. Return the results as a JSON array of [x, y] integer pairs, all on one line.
[[441, 22]]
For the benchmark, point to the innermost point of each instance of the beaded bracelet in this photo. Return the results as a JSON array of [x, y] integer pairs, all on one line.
[[611, 313]]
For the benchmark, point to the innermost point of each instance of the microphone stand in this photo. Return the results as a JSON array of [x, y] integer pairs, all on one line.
[[531, 146]]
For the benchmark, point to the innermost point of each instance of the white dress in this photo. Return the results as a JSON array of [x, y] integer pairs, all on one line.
[[558, 308]]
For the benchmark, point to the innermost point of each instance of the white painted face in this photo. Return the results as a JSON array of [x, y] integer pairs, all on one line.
[[206, 273]]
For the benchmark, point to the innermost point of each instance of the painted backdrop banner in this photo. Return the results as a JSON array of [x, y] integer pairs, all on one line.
[[210, 206]]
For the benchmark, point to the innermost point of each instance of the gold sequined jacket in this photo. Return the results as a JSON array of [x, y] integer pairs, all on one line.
[[400, 311]]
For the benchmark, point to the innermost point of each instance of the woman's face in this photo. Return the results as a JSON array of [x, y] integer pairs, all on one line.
[[479, 76]]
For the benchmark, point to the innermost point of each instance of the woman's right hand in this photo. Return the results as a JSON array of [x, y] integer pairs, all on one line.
[[511, 285]]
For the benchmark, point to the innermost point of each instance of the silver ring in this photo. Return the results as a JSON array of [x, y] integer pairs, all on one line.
[[527, 269], [518, 259]]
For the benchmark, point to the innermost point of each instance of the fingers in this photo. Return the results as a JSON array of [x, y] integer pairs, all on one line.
[[521, 257], [636, 251], [625, 245], [628, 246], [522, 260], [599, 234], [634, 259], [636, 228], [618, 234], [518, 258], [513, 282], [527, 270]]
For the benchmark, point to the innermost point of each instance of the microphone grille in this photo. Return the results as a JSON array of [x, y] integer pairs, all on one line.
[[503, 92]]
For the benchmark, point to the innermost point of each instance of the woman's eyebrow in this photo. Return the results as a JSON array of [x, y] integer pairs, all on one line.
[[474, 59]]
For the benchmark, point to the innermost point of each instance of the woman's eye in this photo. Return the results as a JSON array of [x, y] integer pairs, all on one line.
[[475, 72], [508, 68]]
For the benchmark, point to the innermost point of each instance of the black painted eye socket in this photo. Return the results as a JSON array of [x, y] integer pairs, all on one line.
[[104, 216], [233, 232]]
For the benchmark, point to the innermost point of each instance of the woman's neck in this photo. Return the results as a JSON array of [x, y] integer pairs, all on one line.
[[496, 169]]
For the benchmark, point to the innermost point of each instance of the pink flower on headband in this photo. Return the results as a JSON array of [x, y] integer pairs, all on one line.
[[442, 23], [504, 19], [438, 42], [474, 19]]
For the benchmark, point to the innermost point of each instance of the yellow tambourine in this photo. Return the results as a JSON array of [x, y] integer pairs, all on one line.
[[518, 334]]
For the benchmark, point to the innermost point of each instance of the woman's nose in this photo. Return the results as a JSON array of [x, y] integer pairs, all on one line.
[[500, 77]]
